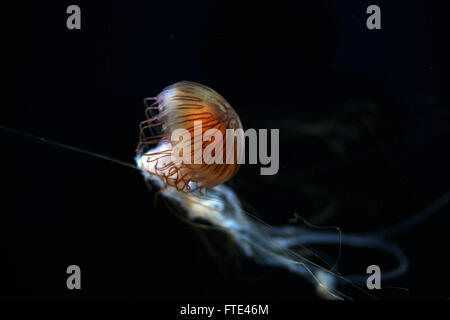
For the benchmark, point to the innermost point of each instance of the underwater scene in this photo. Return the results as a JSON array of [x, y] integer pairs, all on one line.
[[209, 152]]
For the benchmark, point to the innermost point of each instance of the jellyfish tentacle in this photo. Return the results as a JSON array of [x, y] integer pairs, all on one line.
[[409, 223]]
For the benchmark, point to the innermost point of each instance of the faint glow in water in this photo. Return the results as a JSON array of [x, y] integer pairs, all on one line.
[[269, 245]]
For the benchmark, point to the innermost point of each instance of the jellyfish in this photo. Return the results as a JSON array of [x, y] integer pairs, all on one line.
[[198, 110], [200, 190]]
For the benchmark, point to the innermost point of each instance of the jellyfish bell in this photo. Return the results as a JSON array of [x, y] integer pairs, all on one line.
[[205, 116]]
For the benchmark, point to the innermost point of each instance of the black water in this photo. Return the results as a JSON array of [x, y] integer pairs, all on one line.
[[364, 138]]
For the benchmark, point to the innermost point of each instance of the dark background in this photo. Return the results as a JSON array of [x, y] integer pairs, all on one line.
[[364, 137]]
